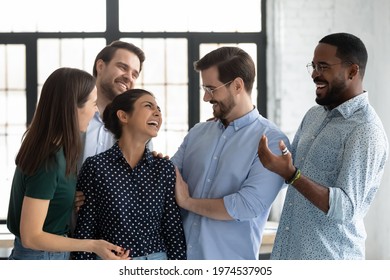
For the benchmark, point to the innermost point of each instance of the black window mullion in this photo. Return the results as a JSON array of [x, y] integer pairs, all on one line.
[[112, 21], [193, 83], [31, 77]]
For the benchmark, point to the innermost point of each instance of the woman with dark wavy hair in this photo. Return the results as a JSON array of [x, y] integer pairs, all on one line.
[[129, 194]]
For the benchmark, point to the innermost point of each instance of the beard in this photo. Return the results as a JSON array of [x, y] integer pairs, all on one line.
[[109, 91], [224, 107], [334, 95]]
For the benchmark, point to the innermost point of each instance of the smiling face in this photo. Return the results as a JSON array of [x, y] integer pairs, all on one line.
[[117, 75], [332, 81], [222, 98], [145, 120]]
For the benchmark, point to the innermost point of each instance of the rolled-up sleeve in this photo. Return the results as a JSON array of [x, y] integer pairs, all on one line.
[[364, 158]]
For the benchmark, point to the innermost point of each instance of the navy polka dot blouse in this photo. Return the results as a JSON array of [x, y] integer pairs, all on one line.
[[131, 208]]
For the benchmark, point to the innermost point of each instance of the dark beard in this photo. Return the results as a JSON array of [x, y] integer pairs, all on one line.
[[333, 97], [225, 107]]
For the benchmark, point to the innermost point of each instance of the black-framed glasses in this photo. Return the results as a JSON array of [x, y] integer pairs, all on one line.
[[321, 67], [210, 90]]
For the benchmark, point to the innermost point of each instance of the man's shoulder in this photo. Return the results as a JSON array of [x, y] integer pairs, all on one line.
[[206, 125], [266, 124]]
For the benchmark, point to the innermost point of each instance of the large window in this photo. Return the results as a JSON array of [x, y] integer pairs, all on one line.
[[12, 114], [21, 16], [190, 16], [49, 34]]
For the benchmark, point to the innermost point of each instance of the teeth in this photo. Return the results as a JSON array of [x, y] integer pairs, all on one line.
[[153, 123], [123, 85]]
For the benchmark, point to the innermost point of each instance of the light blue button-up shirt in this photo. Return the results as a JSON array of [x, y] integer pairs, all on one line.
[[344, 149], [98, 139], [219, 162]]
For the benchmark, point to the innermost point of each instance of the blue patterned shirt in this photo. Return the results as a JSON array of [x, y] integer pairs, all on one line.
[[132, 208], [219, 162], [344, 149]]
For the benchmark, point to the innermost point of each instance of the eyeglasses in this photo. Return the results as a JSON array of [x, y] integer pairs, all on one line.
[[321, 67], [211, 90]]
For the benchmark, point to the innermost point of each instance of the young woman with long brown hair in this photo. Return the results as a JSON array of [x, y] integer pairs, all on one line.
[[44, 182]]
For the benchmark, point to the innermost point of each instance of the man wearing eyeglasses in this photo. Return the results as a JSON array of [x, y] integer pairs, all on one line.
[[224, 190], [336, 161]]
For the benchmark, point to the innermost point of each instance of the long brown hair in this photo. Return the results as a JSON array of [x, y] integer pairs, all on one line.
[[55, 123]]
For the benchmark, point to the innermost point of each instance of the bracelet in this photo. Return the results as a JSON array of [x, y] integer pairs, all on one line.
[[296, 176]]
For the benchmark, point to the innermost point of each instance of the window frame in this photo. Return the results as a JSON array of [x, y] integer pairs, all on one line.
[[195, 39]]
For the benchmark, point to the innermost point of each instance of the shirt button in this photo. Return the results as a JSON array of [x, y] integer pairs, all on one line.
[[208, 180], [287, 228], [215, 158], [290, 204]]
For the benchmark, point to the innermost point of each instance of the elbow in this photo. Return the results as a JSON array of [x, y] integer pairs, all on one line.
[[28, 241]]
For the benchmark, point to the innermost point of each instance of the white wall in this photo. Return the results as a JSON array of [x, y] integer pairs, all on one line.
[[294, 28]]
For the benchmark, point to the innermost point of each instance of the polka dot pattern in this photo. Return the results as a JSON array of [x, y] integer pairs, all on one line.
[[132, 208]]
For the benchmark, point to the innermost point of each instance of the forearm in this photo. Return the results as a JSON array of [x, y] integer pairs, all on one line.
[[52, 242], [315, 193], [207, 207]]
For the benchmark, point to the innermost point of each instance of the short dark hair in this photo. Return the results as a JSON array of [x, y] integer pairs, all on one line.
[[232, 62], [107, 53], [349, 48], [124, 102]]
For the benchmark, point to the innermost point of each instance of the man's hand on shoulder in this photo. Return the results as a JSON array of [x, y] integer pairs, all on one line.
[[159, 155]]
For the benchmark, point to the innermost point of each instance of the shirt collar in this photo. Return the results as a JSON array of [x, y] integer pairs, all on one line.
[[118, 155], [97, 117], [243, 121], [349, 107]]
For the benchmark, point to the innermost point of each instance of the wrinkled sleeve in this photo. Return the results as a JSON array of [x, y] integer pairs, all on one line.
[[260, 188], [178, 157], [364, 158]]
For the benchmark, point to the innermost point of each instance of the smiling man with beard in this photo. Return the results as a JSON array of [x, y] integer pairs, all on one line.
[[225, 192], [116, 68], [336, 161]]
